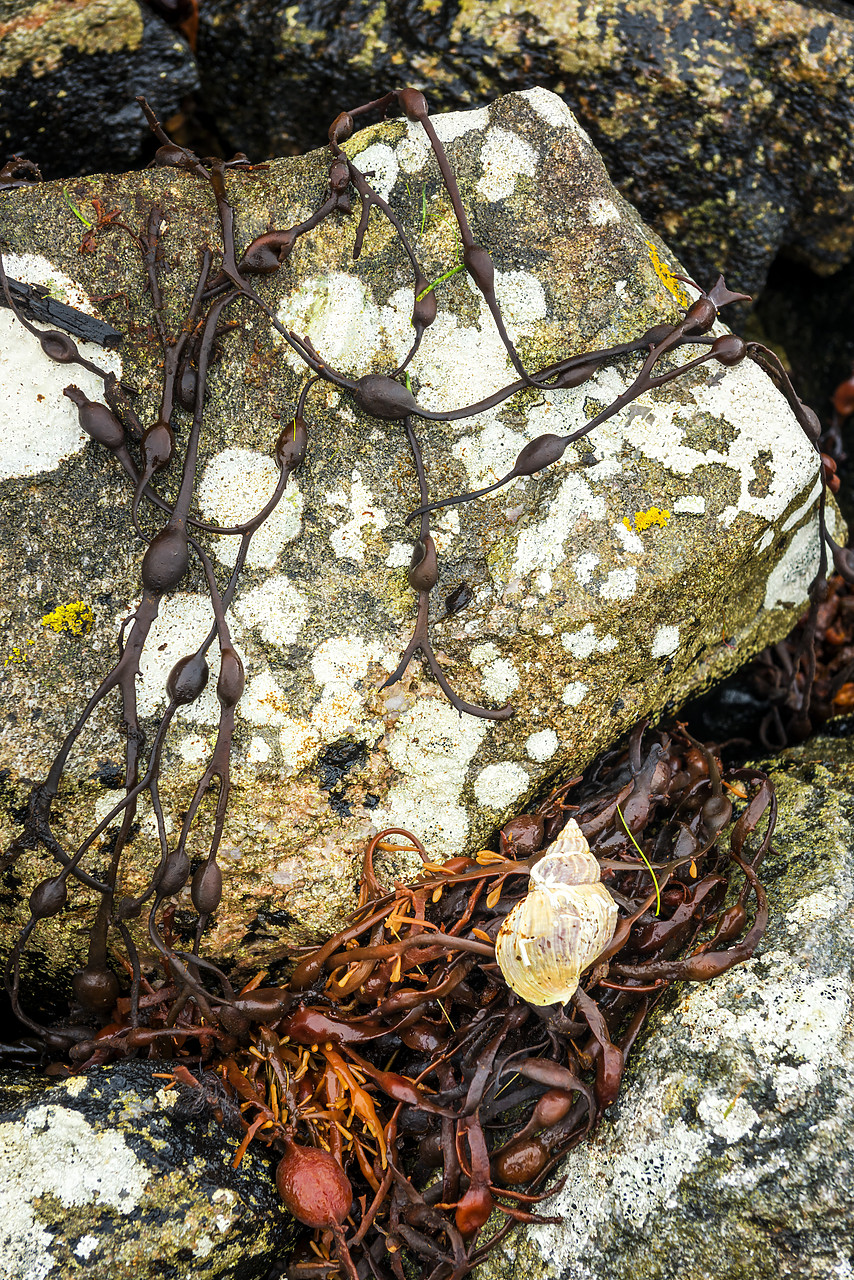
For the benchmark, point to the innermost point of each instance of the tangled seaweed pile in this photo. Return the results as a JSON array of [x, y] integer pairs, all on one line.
[[410, 1094], [486, 1094]]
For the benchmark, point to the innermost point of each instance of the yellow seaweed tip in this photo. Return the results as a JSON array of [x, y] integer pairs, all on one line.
[[667, 276], [646, 519], [74, 619]]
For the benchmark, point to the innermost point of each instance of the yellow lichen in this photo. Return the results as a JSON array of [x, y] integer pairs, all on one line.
[[646, 519], [74, 619], [667, 276]]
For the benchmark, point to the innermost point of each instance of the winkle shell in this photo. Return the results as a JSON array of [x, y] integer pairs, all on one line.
[[561, 927]]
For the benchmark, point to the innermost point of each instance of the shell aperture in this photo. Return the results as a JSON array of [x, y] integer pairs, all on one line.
[[563, 924]]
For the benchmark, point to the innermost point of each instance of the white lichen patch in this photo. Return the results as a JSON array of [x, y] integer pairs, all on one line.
[[298, 742], [498, 785], [541, 746], [791, 576], [552, 109], [53, 1151], [180, 627], [504, 157], [264, 702], [541, 545], [414, 150], [585, 567], [339, 665], [235, 486], [345, 323], [619, 584], [574, 693], [347, 539], [277, 608], [431, 746], [581, 644], [258, 751], [500, 677], [38, 424], [665, 641], [690, 505], [380, 158]]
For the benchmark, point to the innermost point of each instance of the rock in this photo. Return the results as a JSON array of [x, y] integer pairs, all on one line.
[[649, 562], [103, 1175], [69, 74], [729, 1149], [727, 125]]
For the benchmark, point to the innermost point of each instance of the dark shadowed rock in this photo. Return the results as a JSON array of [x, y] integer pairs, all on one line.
[[729, 126], [69, 74]]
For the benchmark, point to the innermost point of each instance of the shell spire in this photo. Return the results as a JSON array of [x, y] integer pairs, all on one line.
[[560, 928]]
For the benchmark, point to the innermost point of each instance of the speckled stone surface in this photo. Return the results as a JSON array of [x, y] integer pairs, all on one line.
[[103, 1176], [69, 72], [654, 558], [728, 125], [729, 1151]]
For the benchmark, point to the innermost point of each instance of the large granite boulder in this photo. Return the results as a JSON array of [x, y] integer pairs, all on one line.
[[729, 1151], [653, 559], [111, 1175], [69, 74], [729, 126]]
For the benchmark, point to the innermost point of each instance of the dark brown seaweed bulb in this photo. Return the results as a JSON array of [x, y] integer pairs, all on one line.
[[266, 254], [58, 346], [341, 128], [206, 888], [96, 988], [292, 444], [423, 567], [539, 453], [808, 420], [166, 561], [156, 447], [173, 877], [413, 103], [48, 898], [97, 420], [313, 1186], [229, 686], [700, 317], [479, 265], [173, 157], [424, 308], [185, 388], [187, 679], [382, 397], [576, 375], [339, 176], [520, 1161], [523, 835], [729, 349]]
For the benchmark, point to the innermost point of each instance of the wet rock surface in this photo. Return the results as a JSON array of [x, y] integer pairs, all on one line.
[[106, 1175], [661, 552], [69, 74], [729, 1149], [728, 125]]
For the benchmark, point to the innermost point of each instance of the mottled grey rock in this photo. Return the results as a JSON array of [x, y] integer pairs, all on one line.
[[69, 74], [102, 1176], [729, 126], [729, 1150], [652, 560]]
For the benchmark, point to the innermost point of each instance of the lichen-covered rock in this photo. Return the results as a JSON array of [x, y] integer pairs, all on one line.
[[69, 73], [659, 553], [729, 126], [103, 1175], [729, 1151]]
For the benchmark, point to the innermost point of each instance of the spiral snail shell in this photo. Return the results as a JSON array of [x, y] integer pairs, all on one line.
[[558, 930]]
